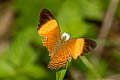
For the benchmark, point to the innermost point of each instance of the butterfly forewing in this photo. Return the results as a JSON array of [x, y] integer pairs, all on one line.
[[49, 30]]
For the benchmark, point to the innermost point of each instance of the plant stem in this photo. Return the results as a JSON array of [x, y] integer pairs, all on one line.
[[90, 67]]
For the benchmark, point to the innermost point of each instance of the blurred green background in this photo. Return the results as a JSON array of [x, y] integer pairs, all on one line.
[[22, 56]]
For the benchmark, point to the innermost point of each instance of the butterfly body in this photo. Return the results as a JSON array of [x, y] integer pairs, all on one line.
[[61, 42], [61, 48]]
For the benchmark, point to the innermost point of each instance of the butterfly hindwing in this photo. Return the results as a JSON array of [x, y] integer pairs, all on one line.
[[79, 46], [60, 58], [49, 30], [71, 48]]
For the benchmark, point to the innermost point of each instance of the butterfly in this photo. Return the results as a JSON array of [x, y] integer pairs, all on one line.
[[61, 48]]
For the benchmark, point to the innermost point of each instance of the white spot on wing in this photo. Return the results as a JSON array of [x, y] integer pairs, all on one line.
[[67, 35]]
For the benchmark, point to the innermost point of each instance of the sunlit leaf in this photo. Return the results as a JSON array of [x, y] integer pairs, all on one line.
[[6, 70]]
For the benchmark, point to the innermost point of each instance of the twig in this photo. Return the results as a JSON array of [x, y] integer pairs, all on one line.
[[106, 26]]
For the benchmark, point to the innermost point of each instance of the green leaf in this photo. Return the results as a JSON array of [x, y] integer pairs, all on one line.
[[102, 68], [91, 9], [19, 46], [90, 67], [61, 73], [6, 70], [71, 20], [34, 71], [29, 57], [21, 77]]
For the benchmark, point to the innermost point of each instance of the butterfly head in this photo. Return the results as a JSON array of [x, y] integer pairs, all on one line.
[[65, 36]]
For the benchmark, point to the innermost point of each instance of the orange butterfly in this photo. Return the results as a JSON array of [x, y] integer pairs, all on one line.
[[61, 48]]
